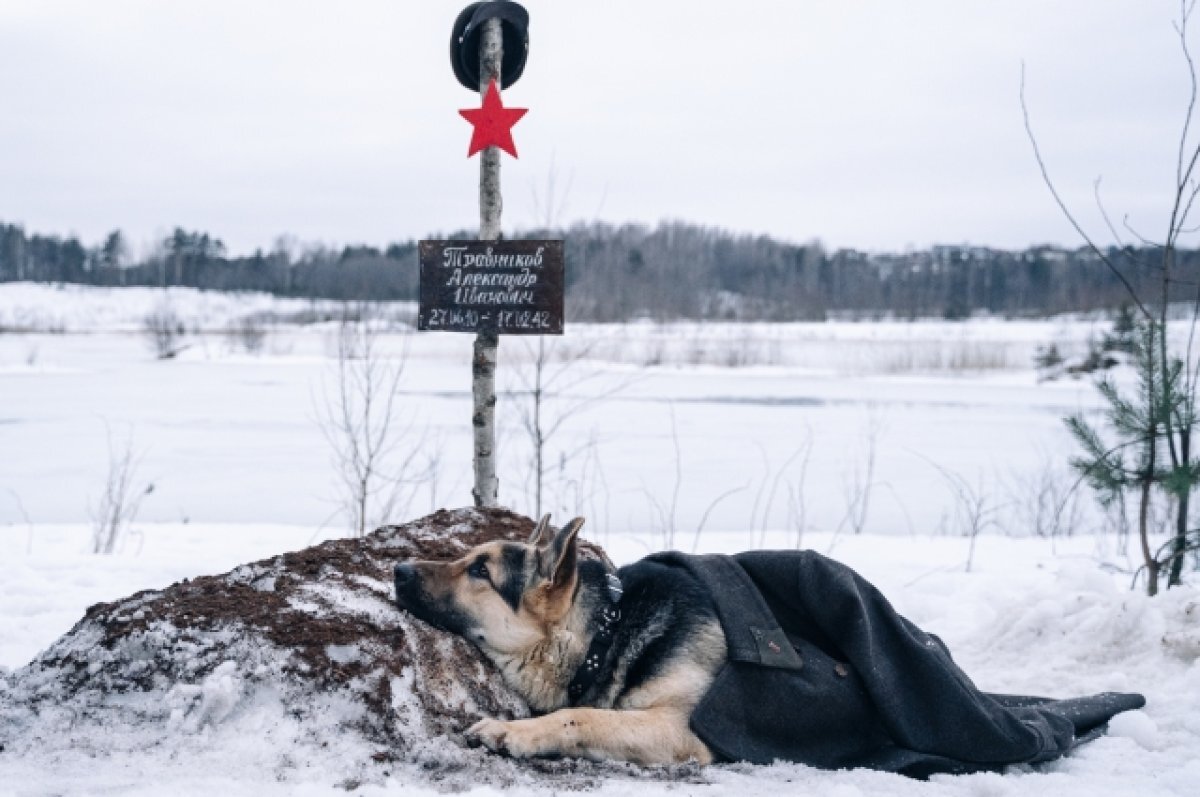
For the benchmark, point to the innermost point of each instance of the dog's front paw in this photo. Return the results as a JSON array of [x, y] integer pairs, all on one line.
[[518, 738], [489, 732]]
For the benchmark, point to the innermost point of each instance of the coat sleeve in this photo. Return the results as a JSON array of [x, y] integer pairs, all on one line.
[[924, 701]]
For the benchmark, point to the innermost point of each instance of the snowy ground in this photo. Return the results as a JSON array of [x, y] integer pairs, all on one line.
[[1030, 617], [241, 470]]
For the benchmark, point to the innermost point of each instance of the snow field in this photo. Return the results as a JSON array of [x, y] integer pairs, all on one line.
[[241, 470], [227, 436], [1029, 617]]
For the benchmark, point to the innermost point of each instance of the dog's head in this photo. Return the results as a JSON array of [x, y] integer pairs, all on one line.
[[503, 596]]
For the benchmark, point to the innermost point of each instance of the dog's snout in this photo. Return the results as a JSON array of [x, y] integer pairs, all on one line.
[[405, 574]]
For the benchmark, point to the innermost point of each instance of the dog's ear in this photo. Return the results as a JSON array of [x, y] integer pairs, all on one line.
[[541, 532], [557, 561]]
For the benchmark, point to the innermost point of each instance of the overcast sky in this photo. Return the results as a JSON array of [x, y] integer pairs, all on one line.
[[879, 125]]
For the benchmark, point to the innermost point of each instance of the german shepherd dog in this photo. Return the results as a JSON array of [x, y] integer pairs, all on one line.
[[611, 663]]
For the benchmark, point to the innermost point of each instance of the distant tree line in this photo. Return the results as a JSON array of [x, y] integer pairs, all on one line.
[[615, 273]]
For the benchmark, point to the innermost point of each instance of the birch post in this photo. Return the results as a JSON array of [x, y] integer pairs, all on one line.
[[483, 382]]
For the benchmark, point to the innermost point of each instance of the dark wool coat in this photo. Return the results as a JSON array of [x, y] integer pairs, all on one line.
[[823, 671]]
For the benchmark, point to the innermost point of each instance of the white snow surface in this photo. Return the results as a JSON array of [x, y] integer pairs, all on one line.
[[241, 471], [1030, 617]]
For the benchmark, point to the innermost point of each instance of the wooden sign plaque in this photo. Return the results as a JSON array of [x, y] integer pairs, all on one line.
[[508, 287]]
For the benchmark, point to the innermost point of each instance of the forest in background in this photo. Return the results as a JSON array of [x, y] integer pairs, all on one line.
[[671, 271]]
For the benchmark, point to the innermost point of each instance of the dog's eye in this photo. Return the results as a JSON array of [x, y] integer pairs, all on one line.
[[478, 570]]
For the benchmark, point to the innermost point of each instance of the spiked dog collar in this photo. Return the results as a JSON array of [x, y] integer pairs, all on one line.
[[606, 627]]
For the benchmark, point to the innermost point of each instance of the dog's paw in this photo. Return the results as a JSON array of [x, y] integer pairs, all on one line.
[[517, 738], [489, 732]]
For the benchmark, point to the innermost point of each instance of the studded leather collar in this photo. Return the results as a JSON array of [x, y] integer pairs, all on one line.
[[607, 620]]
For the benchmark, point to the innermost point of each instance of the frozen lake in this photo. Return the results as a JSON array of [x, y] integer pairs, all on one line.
[[785, 424]]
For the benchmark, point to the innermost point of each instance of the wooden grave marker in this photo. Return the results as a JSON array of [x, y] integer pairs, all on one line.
[[502, 287]]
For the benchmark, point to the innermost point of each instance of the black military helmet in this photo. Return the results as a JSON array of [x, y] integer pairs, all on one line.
[[464, 41]]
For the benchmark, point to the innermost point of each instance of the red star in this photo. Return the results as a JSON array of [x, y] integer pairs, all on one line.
[[493, 123]]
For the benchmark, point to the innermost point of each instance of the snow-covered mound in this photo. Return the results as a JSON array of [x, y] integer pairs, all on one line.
[[293, 662]]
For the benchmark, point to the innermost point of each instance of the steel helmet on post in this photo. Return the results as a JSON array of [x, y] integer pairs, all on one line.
[[464, 41]]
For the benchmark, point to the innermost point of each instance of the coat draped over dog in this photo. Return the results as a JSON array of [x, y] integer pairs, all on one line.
[[823, 671]]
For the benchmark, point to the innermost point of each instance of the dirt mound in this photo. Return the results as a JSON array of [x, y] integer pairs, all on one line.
[[295, 661]]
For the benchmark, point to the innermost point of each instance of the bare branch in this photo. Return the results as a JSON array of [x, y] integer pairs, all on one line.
[[805, 448], [555, 388], [550, 210], [357, 419], [1124, 250], [678, 470], [708, 510], [25, 516], [119, 502], [1037, 153], [973, 506], [1185, 12], [859, 486], [762, 483], [1142, 239], [797, 502]]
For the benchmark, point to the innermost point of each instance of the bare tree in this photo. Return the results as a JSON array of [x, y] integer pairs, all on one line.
[[555, 380], [1160, 417], [250, 332], [120, 500], [164, 331], [358, 420], [803, 453], [974, 509], [797, 516], [859, 483], [667, 520], [24, 516], [1045, 502], [432, 470], [557, 385], [708, 510], [593, 496]]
